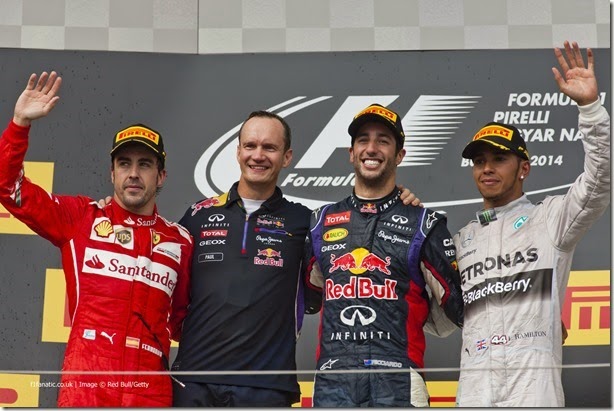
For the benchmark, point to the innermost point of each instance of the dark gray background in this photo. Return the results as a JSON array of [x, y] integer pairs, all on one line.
[[194, 100]]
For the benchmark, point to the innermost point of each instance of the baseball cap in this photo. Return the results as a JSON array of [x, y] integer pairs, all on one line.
[[379, 114], [502, 136], [140, 133]]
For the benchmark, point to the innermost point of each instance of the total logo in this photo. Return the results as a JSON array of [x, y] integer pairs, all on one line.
[[358, 261]]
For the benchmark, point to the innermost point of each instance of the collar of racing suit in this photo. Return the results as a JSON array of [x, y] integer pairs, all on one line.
[[521, 202], [131, 219], [375, 206], [270, 203]]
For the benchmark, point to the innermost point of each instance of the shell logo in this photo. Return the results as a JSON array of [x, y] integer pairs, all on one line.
[[104, 229]]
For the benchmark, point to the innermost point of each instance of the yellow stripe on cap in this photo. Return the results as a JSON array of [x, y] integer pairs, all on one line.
[[138, 131], [496, 131], [381, 111]]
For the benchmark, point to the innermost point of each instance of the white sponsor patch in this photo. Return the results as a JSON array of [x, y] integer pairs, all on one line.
[[89, 334], [171, 250], [129, 268]]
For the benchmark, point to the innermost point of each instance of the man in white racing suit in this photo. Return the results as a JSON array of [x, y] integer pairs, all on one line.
[[515, 260]]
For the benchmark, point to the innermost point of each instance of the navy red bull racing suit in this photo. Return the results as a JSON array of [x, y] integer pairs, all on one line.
[[127, 283], [377, 268], [514, 272]]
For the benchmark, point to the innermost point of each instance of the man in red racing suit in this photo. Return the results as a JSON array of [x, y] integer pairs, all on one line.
[[126, 272]]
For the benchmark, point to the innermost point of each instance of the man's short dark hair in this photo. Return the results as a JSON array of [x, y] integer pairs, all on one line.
[[268, 114]]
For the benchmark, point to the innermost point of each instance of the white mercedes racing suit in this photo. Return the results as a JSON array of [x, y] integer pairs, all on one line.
[[514, 272]]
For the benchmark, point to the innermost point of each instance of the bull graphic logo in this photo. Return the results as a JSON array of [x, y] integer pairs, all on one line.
[[358, 261], [206, 203], [365, 315]]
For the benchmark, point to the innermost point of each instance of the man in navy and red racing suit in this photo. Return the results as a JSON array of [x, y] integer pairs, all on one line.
[[127, 283], [374, 265], [515, 269]]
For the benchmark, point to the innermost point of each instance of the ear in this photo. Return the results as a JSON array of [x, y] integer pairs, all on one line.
[[400, 156], [287, 158], [525, 169], [351, 150], [161, 178], [112, 176]]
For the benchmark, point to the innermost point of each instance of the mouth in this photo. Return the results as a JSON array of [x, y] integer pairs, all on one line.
[[258, 168], [371, 163], [489, 182]]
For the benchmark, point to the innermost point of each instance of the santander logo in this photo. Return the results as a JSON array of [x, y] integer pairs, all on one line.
[[320, 172]]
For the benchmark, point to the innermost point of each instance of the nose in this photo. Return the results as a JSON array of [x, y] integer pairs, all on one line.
[[258, 154], [488, 166], [134, 171], [371, 146]]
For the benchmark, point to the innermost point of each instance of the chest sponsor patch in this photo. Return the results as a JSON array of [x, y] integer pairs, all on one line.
[[337, 218], [128, 268]]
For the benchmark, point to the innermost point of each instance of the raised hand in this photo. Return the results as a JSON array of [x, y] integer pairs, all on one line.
[[38, 99], [577, 80]]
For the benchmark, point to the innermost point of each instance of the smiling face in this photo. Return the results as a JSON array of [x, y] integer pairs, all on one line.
[[375, 158], [261, 154], [136, 178], [498, 175]]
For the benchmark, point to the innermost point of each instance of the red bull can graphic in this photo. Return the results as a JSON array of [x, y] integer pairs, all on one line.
[[206, 203]]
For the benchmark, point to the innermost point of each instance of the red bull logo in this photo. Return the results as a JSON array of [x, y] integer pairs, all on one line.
[[368, 208], [360, 287], [206, 203], [269, 252], [270, 257], [358, 261], [272, 223]]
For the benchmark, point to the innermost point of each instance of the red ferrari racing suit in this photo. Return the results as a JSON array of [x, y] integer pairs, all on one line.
[[514, 272], [127, 281]]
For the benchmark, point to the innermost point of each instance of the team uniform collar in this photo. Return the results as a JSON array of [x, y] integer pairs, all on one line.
[[131, 219], [375, 206], [270, 203]]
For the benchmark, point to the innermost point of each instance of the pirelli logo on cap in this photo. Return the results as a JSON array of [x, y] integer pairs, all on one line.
[[494, 131], [380, 111], [136, 131]]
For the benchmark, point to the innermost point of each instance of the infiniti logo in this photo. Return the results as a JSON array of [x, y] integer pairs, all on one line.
[[216, 217], [399, 219], [366, 315]]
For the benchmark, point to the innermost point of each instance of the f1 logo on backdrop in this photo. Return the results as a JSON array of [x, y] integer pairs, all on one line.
[[431, 126]]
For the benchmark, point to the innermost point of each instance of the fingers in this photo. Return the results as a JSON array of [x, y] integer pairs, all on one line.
[[591, 59], [570, 56], [31, 82], [561, 60], [558, 78], [41, 81], [577, 54]]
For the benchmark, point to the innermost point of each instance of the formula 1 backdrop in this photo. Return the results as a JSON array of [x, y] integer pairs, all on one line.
[[198, 103]]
